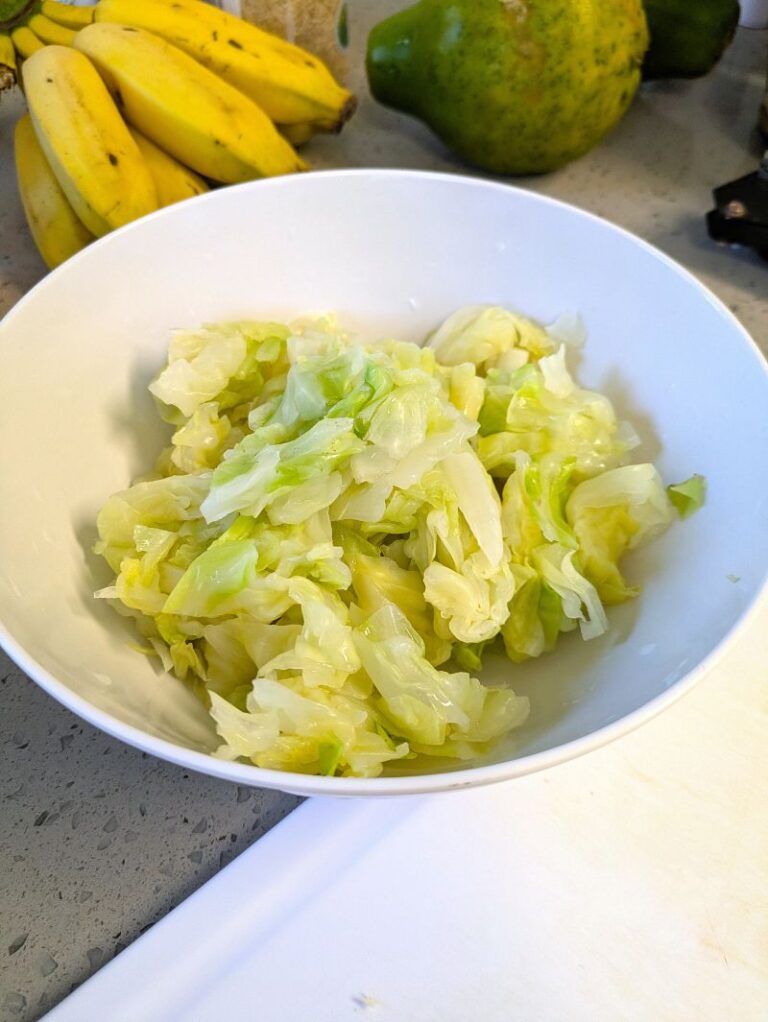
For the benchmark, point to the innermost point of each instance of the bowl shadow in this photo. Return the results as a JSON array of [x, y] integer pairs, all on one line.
[[142, 435]]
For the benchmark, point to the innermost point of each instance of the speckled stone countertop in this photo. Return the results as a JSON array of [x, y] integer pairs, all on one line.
[[98, 841]]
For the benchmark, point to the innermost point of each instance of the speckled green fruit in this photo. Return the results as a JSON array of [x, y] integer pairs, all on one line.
[[512, 86]]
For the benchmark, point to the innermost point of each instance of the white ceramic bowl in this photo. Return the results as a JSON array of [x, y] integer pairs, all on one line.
[[390, 252]]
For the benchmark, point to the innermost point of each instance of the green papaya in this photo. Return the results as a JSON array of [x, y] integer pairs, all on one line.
[[511, 86], [688, 37]]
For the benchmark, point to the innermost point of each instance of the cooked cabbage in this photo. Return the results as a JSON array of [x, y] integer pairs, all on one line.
[[340, 530]]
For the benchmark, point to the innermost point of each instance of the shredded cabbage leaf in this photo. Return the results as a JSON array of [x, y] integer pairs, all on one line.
[[340, 531]]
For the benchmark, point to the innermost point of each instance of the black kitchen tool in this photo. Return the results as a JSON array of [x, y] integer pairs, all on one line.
[[740, 216]]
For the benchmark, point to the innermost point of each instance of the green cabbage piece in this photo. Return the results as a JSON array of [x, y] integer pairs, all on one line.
[[486, 336], [228, 362], [688, 496], [613, 513], [423, 704], [538, 409], [340, 530]]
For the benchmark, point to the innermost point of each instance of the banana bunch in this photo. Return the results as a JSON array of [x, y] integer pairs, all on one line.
[[137, 104]]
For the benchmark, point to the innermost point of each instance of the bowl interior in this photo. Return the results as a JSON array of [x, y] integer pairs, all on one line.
[[390, 253]]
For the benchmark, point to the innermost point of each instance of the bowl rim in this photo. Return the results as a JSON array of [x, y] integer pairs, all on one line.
[[416, 784]]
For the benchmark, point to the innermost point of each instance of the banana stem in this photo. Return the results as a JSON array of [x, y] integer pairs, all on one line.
[[8, 69]]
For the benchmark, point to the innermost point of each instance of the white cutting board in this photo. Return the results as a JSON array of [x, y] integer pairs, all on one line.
[[628, 886]]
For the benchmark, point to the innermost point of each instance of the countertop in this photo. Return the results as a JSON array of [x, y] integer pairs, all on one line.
[[597, 892], [98, 841]]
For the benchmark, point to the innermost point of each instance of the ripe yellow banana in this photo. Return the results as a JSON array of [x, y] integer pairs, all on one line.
[[67, 14], [26, 42], [289, 84], [7, 62], [297, 134], [50, 32], [173, 180], [185, 108], [56, 229], [85, 140]]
